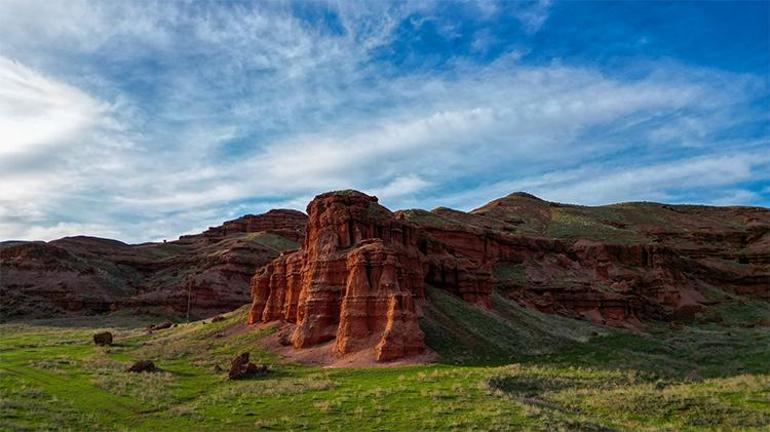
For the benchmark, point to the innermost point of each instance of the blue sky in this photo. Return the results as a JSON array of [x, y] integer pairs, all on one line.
[[145, 120]]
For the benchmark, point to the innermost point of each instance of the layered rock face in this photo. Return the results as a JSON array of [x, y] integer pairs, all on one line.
[[359, 277], [286, 223], [210, 272], [354, 280], [614, 264]]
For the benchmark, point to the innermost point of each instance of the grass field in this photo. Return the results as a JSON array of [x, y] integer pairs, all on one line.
[[504, 369]]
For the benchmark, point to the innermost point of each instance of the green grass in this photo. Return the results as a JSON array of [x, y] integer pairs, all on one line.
[[271, 241], [264, 239], [520, 370], [592, 399], [426, 219], [594, 223], [463, 333]]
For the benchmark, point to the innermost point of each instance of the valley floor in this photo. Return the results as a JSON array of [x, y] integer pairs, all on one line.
[[698, 376]]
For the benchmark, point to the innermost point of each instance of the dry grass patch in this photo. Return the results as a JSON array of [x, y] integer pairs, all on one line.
[[151, 388]]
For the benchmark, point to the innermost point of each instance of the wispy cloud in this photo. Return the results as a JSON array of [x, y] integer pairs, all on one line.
[[533, 15], [38, 112], [56, 139], [705, 179]]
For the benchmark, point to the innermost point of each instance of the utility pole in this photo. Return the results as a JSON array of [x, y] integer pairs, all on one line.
[[189, 298]]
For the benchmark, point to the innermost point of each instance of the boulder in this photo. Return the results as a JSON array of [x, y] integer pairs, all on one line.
[[241, 368], [142, 366], [103, 338], [163, 325]]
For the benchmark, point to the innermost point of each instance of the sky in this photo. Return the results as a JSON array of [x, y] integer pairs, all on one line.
[[143, 121]]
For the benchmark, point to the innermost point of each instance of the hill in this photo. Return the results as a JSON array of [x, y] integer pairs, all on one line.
[[85, 275]]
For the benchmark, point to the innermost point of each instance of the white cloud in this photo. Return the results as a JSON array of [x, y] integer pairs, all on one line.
[[62, 229], [655, 182], [37, 112], [57, 142], [531, 117], [49, 133], [401, 186], [733, 197]]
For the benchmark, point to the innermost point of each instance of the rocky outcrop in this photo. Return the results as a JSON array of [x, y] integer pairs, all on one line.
[[612, 264], [358, 279], [103, 338], [44, 279], [242, 368], [379, 299], [354, 280]]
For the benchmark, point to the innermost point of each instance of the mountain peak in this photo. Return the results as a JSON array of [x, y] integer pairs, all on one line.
[[524, 195]]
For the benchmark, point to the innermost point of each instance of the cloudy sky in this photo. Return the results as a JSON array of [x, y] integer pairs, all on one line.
[[145, 120]]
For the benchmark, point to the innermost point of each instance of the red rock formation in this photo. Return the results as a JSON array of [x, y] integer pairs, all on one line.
[[355, 279], [613, 264], [359, 277], [379, 300], [610, 283], [287, 223]]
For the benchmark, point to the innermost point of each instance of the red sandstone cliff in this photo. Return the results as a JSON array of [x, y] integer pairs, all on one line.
[[286, 223], [359, 277], [354, 280]]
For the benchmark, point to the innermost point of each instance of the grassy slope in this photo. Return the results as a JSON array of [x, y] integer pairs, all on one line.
[[616, 223], [462, 333], [520, 370]]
